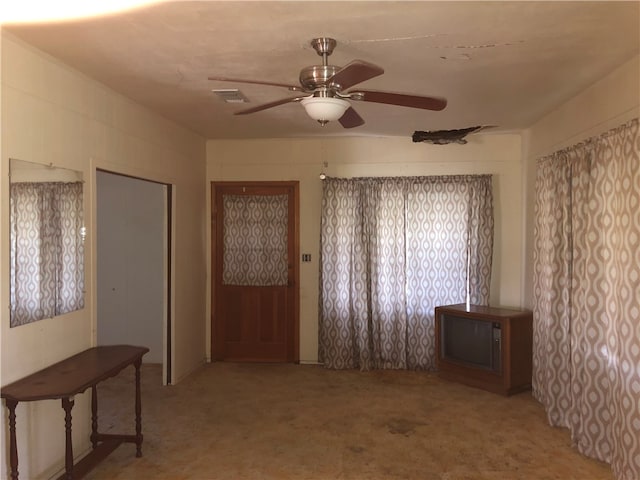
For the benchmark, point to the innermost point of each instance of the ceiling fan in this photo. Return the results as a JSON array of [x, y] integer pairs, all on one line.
[[323, 89]]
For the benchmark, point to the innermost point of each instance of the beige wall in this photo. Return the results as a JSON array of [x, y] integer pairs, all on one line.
[[608, 103], [52, 114], [303, 159]]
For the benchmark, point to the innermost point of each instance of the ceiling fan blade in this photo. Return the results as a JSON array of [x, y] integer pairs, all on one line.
[[354, 72], [293, 88], [264, 106], [351, 119], [413, 101]]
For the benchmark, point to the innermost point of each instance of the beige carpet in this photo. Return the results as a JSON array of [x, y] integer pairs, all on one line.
[[247, 421]]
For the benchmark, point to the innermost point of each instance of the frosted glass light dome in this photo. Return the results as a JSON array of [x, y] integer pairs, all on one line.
[[325, 109]]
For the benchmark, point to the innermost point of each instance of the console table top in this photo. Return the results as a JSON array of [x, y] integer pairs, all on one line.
[[73, 375], [485, 310]]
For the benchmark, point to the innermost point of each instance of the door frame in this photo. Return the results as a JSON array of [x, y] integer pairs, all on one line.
[[168, 242], [295, 186]]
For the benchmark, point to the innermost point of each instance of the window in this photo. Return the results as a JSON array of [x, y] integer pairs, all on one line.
[[392, 249], [47, 252]]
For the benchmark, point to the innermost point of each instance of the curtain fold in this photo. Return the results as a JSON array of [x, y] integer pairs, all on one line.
[[392, 249], [47, 250], [586, 360]]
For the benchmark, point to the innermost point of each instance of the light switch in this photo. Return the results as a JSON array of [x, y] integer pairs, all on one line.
[[306, 257]]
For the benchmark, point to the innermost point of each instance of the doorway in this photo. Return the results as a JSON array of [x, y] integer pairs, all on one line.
[[255, 271], [133, 265]]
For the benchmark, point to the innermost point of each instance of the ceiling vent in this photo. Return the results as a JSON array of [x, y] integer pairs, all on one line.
[[230, 95]]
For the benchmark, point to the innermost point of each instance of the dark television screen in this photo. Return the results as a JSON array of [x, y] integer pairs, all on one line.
[[467, 340]]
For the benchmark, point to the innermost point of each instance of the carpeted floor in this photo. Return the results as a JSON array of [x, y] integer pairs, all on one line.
[[263, 422]]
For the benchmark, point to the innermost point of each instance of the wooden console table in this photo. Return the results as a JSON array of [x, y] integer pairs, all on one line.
[[70, 377]]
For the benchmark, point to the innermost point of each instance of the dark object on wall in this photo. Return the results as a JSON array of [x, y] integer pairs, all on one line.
[[443, 137]]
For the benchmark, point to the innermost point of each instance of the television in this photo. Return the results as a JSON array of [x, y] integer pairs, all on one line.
[[471, 341], [484, 347]]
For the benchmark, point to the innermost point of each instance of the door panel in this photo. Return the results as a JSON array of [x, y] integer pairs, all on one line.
[[255, 288]]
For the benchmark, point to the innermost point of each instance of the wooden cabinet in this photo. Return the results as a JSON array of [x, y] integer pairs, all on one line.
[[485, 347]]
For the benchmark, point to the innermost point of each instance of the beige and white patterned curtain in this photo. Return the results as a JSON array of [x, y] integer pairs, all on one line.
[[47, 250], [392, 249], [587, 295], [255, 240]]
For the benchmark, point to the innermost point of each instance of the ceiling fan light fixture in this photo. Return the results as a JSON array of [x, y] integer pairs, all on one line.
[[325, 109]]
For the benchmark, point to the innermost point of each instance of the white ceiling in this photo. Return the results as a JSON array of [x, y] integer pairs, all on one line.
[[497, 63]]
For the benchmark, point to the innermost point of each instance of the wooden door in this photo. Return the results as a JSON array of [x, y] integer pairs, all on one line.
[[255, 292]]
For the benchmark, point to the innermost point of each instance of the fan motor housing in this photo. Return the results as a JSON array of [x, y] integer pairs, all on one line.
[[316, 76]]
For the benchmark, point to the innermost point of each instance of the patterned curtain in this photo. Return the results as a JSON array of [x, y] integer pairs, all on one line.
[[392, 249], [47, 251], [255, 240], [586, 342]]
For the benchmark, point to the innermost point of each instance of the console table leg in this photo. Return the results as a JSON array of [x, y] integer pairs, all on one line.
[[138, 410], [13, 446], [67, 404], [94, 417]]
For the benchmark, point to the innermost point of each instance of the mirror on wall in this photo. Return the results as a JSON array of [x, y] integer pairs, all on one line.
[[47, 241]]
